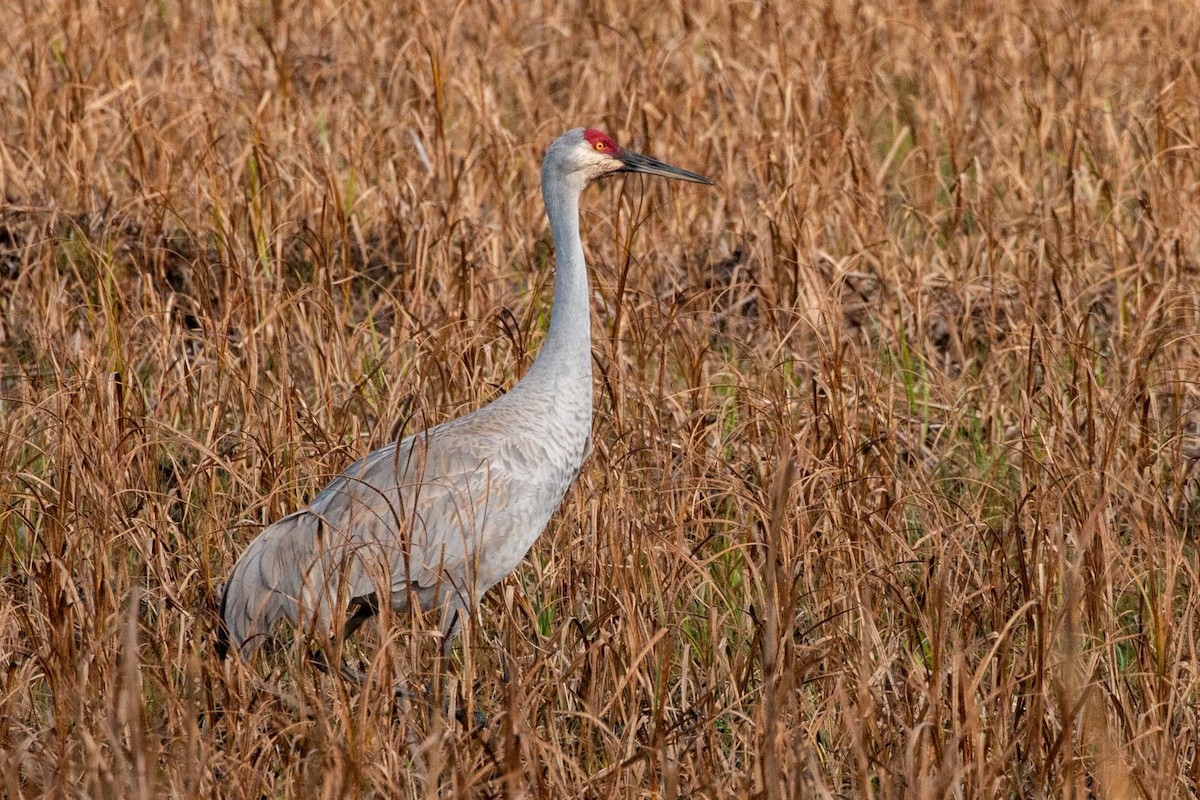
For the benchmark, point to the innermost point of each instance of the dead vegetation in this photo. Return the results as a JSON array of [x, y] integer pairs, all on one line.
[[894, 489]]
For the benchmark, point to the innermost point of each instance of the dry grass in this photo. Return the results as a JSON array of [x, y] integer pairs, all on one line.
[[894, 490]]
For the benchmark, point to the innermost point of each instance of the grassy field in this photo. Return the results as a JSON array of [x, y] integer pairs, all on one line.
[[895, 487]]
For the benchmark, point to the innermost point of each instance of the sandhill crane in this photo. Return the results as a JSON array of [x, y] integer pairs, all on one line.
[[443, 515]]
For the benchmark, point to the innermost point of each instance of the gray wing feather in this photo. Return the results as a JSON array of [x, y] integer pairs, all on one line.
[[380, 527]]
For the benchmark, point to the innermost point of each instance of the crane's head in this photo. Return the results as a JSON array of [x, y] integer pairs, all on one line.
[[585, 155]]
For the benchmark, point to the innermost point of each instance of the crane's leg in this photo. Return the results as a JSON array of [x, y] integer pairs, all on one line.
[[363, 609], [451, 627], [452, 621]]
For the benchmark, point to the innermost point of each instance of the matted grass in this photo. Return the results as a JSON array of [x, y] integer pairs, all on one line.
[[894, 490]]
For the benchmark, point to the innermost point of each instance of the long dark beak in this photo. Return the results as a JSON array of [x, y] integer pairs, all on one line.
[[636, 162]]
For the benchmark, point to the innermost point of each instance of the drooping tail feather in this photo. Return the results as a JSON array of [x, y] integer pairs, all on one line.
[[265, 585], [309, 572]]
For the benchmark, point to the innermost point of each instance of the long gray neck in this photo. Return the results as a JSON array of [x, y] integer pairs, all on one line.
[[567, 353]]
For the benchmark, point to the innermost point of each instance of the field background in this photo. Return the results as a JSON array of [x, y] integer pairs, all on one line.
[[894, 491]]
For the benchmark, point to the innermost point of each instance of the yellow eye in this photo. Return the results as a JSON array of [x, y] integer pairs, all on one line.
[[599, 145]]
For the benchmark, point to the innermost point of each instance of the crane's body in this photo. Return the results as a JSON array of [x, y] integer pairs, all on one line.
[[443, 515]]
